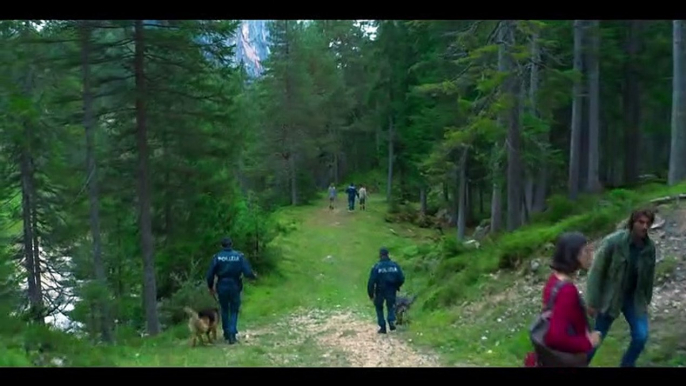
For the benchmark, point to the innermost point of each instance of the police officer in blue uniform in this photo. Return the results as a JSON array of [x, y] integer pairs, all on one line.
[[228, 266], [385, 279]]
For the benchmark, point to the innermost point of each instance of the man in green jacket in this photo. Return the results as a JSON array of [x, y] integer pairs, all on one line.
[[621, 281]]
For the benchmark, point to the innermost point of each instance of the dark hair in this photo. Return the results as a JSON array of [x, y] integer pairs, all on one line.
[[566, 257], [638, 213], [226, 242]]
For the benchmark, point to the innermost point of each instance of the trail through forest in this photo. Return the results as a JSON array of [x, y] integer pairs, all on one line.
[[344, 336], [332, 322], [106, 122]]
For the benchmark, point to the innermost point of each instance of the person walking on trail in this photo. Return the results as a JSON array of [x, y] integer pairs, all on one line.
[[352, 193], [332, 195], [228, 265], [561, 298], [621, 280], [385, 279], [363, 197]]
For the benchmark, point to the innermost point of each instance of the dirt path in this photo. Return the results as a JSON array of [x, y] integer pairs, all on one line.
[[342, 338], [358, 340]]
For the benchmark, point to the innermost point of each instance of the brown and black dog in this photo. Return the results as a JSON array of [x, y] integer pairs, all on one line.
[[203, 322]]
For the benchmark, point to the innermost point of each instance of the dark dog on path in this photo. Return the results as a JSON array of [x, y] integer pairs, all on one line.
[[402, 305]]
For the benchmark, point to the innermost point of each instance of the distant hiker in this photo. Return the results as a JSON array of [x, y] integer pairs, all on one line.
[[621, 280], [332, 195], [561, 335], [228, 265], [385, 279], [363, 197], [352, 193]]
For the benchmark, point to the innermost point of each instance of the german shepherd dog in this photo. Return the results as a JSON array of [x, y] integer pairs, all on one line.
[[202, 323], [402, 305]]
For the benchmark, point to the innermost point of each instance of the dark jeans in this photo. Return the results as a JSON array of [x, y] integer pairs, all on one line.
[[638, 325], [379, 300], [351, 203], [230, 304]]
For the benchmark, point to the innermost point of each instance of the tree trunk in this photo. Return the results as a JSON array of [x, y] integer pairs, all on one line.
[[389, 187], [496, 197], [462, 191], [145, 218], [336, 171], [481, 199], [677, 159], [37, 263], [632, 106], [28, 194], [593, 179], [293, 177], [496, 208], [541, 184], [93, 185], [527, 207], [32, 272], [514, 162], [575, 142]]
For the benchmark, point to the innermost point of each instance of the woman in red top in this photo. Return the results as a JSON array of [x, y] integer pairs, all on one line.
[[568, 328]]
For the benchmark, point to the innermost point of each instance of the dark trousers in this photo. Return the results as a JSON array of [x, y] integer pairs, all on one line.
[[229, 304], [389, 299], [351, 203], [638, 326]]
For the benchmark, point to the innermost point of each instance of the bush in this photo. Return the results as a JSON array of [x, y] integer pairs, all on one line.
[[193, 294], [43, 345], [13, 357]]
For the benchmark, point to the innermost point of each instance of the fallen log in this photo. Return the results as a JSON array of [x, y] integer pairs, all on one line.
[[663, 200]]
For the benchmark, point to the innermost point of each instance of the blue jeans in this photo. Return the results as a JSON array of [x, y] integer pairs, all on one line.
[[230, 304], [638, 325], [379, 300], [351, 203]]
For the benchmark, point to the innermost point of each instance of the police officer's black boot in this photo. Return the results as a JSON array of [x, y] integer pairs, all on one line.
[[232, 339], [391, 326], [382, 330]]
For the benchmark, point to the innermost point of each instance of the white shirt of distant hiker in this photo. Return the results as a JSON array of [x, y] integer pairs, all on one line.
[[363, 193]]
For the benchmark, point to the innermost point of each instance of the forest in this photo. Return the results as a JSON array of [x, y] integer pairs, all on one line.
[[131, 147]]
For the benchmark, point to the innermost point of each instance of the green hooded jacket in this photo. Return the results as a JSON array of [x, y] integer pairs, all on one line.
[[607, 279]]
